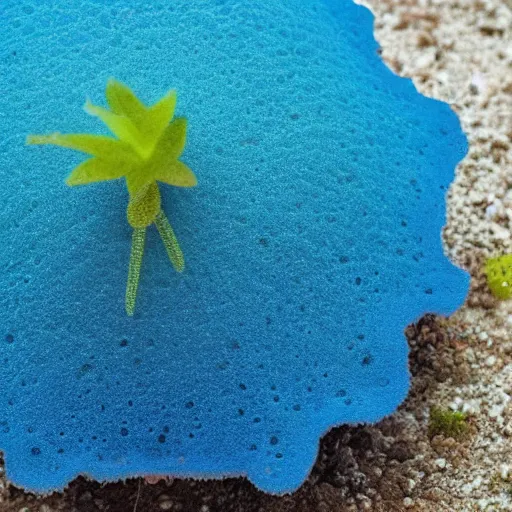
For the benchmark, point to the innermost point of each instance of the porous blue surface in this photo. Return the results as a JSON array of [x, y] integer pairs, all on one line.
[[311, 242]]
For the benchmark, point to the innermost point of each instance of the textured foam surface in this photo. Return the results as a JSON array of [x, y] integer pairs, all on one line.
[[311, 241]]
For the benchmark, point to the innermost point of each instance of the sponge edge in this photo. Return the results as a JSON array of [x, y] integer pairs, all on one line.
[[311, 242]]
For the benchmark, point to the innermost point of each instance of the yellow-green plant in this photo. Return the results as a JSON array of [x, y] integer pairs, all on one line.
[[499, 276], [146, 149]]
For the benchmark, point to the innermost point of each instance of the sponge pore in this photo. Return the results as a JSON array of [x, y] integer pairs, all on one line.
[[312, 241]]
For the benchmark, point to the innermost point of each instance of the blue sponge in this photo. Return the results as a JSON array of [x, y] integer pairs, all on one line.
[[312, 240]]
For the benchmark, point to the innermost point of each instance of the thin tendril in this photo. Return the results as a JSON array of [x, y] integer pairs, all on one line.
[[137, 251], [170, 242]]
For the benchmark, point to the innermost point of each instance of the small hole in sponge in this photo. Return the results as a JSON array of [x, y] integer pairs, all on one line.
[[367, 360]]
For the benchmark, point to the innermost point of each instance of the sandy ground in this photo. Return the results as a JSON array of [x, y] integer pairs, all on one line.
[[459, 51]]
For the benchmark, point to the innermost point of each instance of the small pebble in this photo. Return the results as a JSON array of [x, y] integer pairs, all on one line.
[[490, 361], [440, 463], [483, 336], [495, 411], [408, 502]]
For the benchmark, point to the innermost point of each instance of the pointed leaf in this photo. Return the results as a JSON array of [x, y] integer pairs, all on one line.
[[123, 101], [96, 145], [121, 126], [157, 118], [137, 179], [173, 140], [178, 174], [95, 169]]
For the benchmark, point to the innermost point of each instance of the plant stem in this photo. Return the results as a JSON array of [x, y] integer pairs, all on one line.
[[170, 242], [137, 251]]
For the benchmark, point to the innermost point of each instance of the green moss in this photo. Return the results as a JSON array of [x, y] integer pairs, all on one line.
[[447, 423], [499, 276]]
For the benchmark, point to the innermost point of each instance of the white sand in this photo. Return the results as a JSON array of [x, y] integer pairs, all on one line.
[[460, 51]]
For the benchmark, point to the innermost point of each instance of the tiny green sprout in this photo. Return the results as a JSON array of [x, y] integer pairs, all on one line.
[[447, 423], [499, 276], [145, 150]]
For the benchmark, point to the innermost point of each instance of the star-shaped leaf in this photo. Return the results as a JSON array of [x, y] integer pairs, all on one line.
[[145, 149]]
